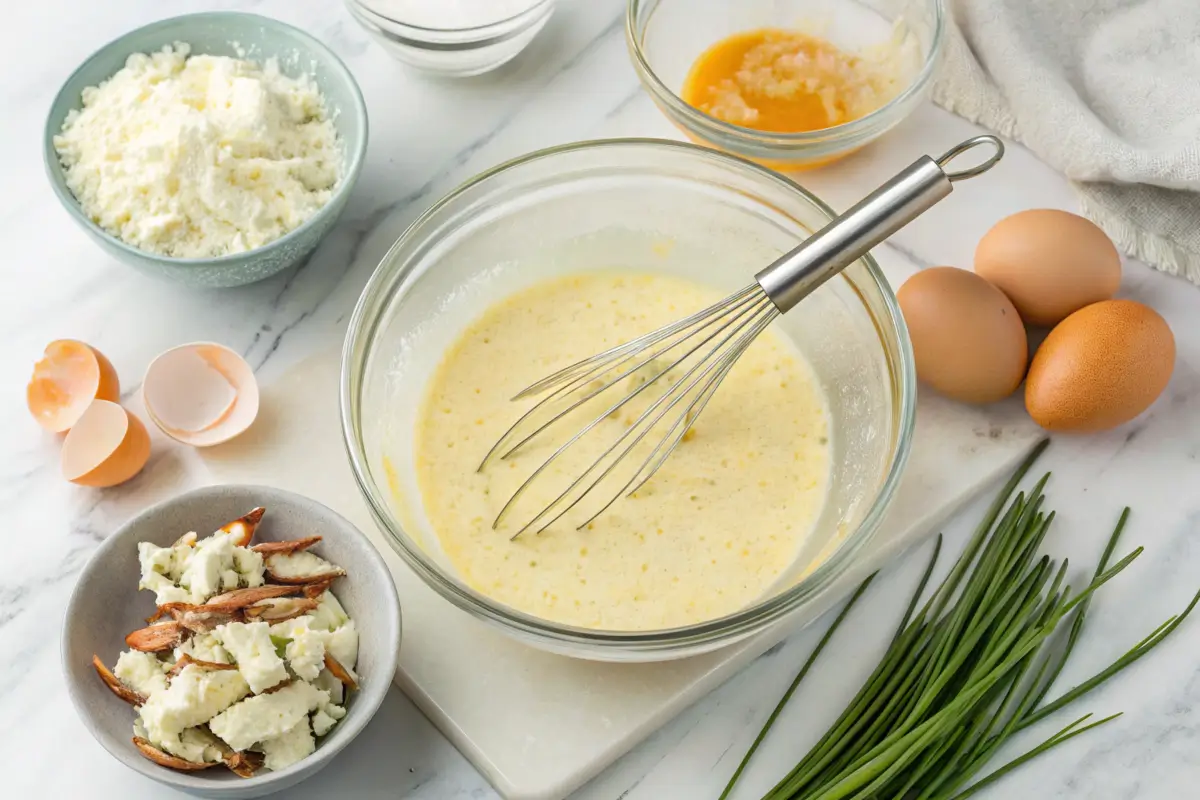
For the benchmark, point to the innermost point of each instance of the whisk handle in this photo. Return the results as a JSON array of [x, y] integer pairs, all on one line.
[[795, 274]]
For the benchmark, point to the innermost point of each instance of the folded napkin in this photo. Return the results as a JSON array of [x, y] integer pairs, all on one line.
[[1105, 91]]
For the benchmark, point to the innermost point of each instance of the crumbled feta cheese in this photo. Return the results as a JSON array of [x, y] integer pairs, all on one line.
[[203, 647], [288, 748], [343, 644], [200, 156], [210, 567], [329, 614], [305, 649], [192, 698], [266, 716], [182, 574], [161, 568], [197, 744], [301, 564], [326, 717], [249, 566], [254, 653], [142, 672], [331, 685]]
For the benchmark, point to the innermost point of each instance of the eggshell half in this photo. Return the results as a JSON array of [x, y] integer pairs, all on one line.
[[66, 381], [201, 394], [106, 446]]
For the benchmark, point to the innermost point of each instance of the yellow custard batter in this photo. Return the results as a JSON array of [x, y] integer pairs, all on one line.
[[706, 536]]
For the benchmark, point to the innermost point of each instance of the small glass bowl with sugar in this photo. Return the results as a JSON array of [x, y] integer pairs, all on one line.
[[452, 37]]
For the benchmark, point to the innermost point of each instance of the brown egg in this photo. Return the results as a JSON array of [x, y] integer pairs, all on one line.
[[1100, 367], [1050, 263], [968, 340], [106, 446]]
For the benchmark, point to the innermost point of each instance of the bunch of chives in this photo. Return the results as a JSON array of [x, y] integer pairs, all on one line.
[[965, 671]]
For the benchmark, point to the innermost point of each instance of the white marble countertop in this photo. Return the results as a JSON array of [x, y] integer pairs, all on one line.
[[573, 83]]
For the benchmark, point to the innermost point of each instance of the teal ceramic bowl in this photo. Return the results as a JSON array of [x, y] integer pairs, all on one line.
[[224, 34]]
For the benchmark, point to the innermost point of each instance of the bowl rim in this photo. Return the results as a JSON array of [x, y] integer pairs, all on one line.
[[779, 143], [354, 723], [722, 630], [352, 161], [498, 28]]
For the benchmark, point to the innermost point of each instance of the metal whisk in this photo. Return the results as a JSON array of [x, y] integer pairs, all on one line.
[[677, 368]]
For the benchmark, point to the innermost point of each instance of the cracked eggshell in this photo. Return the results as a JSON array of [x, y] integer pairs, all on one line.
[[107, 445], [69, 377], [201, 394]]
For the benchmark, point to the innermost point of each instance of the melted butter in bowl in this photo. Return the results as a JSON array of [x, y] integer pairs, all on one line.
[[715, 528]]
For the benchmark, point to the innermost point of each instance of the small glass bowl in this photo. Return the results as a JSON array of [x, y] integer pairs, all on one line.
[[649, 205], [666, 37], [458, 52]]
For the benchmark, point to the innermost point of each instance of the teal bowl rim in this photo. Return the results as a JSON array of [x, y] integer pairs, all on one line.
[[350, 171]]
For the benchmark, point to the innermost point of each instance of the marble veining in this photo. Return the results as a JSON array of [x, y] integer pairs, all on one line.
[[574, 82]]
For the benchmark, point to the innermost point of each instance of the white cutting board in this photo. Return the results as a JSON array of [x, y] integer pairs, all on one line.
[[540, 725]]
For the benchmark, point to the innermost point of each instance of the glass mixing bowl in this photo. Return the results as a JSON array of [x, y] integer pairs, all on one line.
[[459, 51], [640, 204], [665, 38]]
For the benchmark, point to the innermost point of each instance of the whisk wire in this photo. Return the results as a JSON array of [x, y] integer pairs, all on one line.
[[639, 343], [720, 359], [683, 423], [591, 376]]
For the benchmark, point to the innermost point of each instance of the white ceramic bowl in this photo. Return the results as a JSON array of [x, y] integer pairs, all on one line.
[[106, 605]]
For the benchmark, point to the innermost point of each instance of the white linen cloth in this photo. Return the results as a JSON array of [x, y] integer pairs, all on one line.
[[1105, 91]]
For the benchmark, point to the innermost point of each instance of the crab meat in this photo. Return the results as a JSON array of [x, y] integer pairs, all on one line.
[[340, 672], [290, 546], [300, 567], [314, 590], [244, 764], [119, 689], [185, 660], [165, 759], [198, 619], [240, 598], [157, 637], [280, 609], [243, 528]]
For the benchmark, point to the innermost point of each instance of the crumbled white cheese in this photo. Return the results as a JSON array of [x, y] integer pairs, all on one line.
[[326, 717], [161, 568], [288, 748], [193, 697], [329, 614], [301, 564], [203, 647], [210, 569], [182, 574], [249, 566], [254, 653], [266, 716], [200, 156], [343, 644], [305, 648], [142, 672], [331, 685]]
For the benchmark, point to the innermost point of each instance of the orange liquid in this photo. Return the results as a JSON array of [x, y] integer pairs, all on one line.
[[781, 82]]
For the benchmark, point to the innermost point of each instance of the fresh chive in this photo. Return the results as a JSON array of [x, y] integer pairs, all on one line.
[[862, 587], [966, 670]]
